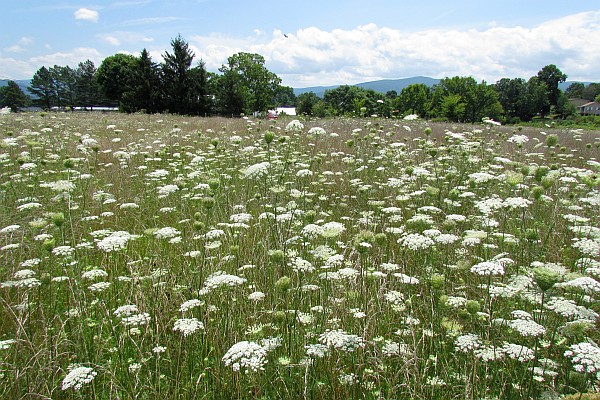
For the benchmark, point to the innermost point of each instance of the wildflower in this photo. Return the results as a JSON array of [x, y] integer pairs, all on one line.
[[341, 340], [94, 273], [138, 319], [316, 350], [518, 352], [301, 265], [294, 126], [189, 304], [99, 287], [416, 241], [527, 327], [77, 377], [5, 344], [587, 284], [256, 296], [166, 233], [332, 229], [63, 251], [585, 357], [126, 310], [467, 343], [487, 268], [115, 241], [257, 170], [246, 355], [220, 279], [187, 326], [570, 310]]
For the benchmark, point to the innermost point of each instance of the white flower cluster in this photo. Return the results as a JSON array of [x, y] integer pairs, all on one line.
[[587, 284], [332, 229], [250, 356], [115, 241], [518, 352], [570, 310], [527, 327], [77, 377], [467, 343], [416, 241], [295, 126], [487, 268], [166, 233], [220, 279], [301, 265], [257, 170], [187, 326], [585, 357], [341, 340]]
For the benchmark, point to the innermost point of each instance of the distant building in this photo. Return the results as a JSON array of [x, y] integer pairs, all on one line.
[[590, 108], [578, 102]]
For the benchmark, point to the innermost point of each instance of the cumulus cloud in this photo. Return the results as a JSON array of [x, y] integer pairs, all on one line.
[[85, 14], [312, 56]]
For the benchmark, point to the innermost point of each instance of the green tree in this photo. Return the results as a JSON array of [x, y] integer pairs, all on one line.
[[115, 75], [247, 85], [414, 99], [65, 81], [575, 90], [453, 108], [591, 91], [12, 96], [86, 86], [305, 102], [537, 97], [564, 108], [42, 86], [284, 96], [177, 77], [552, 76], [144, 89]]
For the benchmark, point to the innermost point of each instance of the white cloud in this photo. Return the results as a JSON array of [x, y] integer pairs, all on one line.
[[72, 58], [20, 46], [312, 56], [86, 14], [118, 38]]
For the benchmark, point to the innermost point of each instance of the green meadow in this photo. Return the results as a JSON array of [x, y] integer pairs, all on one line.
[[167, 257]]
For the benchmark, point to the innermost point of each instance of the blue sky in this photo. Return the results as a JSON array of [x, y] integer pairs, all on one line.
[[328, 42]]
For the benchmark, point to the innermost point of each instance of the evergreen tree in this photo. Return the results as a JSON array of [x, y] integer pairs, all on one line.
[[143, 93], [12, 96], [42, 86], [86, 86], [177, 77]]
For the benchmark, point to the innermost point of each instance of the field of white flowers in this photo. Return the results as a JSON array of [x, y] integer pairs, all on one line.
[[171, 257]]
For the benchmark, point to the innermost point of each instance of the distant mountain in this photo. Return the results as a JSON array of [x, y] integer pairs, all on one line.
[[382, 86]]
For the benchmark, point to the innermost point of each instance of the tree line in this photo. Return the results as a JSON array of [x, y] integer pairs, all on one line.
[[244, 85], [458, 99]]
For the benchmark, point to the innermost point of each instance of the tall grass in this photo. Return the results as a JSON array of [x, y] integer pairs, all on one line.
[[171, 257]]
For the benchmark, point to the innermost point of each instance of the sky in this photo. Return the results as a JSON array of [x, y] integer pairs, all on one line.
[[315, 43]]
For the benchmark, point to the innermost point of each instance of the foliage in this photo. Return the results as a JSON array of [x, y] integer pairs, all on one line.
[[346, 258], [13, 97], [247, 85]]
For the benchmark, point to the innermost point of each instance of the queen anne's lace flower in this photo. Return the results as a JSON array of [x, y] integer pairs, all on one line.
[[250, 356], [187, 326], [77, 377], [585, 357], [341, 340], [486, 268]]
